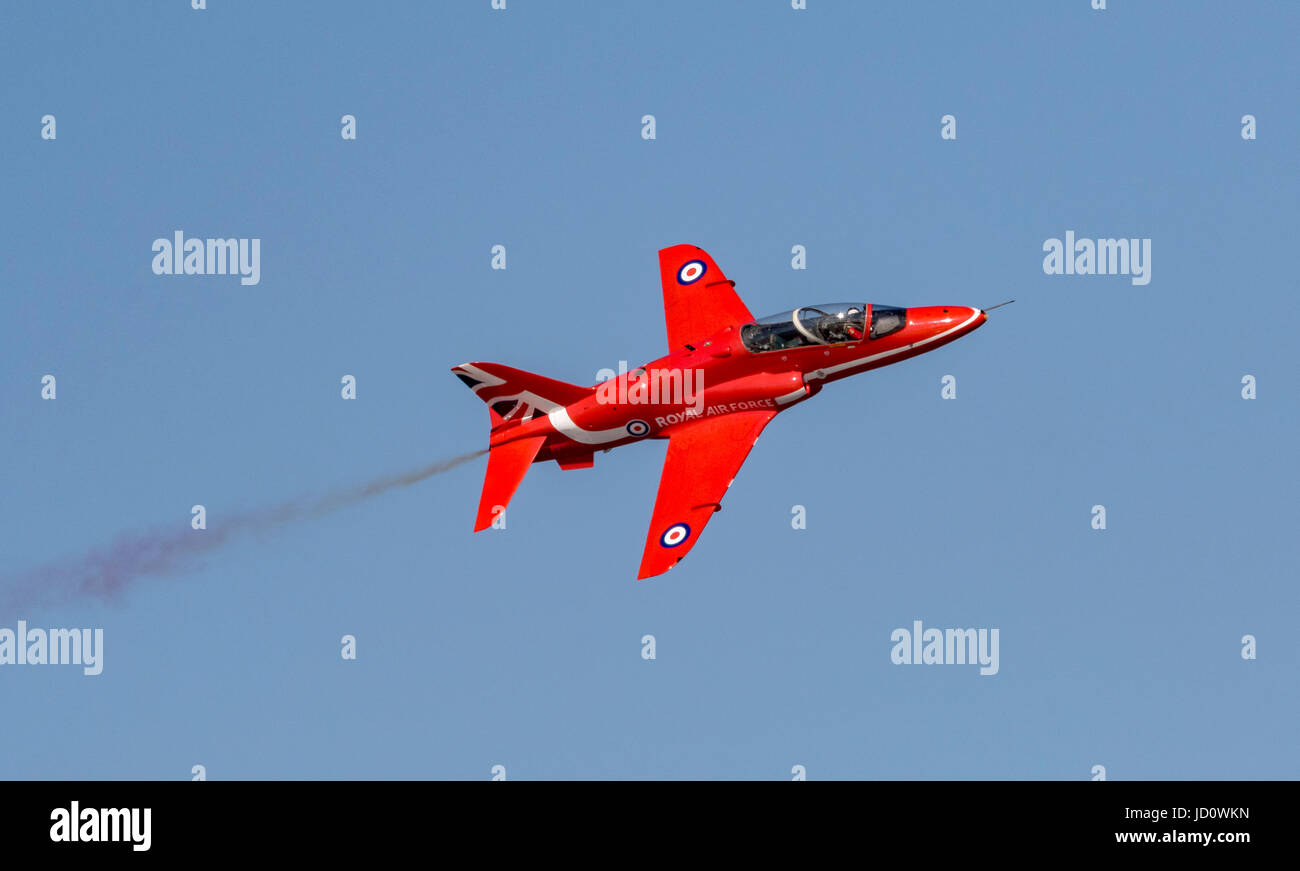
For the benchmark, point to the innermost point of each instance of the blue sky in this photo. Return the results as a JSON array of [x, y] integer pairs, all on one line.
[[522, 647]]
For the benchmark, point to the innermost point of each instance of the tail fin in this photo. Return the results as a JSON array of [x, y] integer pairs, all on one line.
[[513, 394]]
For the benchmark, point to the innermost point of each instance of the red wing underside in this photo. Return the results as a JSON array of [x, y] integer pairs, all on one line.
[[698, 298], [703, 459]]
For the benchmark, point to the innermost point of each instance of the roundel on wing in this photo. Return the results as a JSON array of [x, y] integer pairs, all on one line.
[[691, 272], [675, 535], [637, 428]]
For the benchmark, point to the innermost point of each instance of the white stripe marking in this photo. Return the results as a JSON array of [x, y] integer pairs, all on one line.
[[792, 396], [565, 426]]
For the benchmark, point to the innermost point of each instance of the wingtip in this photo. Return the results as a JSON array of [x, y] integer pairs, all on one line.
[[646, 572]]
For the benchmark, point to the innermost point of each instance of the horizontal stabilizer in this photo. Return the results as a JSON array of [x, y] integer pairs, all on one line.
[[507, 465]]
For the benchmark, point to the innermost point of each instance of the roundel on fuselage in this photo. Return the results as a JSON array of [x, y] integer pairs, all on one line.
[[691, 272], [637, 428]]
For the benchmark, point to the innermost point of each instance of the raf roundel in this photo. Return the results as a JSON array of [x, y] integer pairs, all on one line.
[[675, 535], [637, 428], [691, 272]]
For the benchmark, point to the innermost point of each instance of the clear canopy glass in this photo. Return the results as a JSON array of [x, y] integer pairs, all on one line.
[[826, 324], [886, 319]]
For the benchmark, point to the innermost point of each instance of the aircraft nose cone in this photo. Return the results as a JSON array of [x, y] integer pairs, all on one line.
[[966, 317], [946, 317]]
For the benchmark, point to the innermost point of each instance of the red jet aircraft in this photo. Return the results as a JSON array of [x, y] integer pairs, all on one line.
[[725, 376]]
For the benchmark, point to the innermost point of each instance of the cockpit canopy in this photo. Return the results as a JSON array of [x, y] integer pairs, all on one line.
[[828, 324]]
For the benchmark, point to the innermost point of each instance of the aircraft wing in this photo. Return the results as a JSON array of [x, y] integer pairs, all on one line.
[[698, 299], [704, 456]]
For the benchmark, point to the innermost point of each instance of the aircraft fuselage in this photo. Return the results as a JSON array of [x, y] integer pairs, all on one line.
[[720, 376]]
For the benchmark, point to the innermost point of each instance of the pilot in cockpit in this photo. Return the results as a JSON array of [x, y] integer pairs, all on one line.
[[844, 326]]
